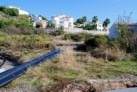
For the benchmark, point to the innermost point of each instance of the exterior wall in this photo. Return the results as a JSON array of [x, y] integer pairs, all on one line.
[[79, 30], [100, 26], [36, 20], [114, 29], [133, 27], [62, 20]]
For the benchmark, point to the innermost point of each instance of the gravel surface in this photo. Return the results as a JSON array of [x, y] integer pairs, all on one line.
[[124, 90], [7, 65]]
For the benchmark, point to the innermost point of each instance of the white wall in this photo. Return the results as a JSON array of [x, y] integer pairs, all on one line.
[[79, 30]]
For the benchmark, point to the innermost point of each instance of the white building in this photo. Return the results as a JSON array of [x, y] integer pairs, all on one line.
[[36, 20], [98, 24], [21, 12], [62, 20], [114, 29]]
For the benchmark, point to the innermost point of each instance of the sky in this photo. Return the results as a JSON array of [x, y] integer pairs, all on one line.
[[77, 8]]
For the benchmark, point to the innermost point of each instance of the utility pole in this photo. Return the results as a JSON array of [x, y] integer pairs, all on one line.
[[106, 55]]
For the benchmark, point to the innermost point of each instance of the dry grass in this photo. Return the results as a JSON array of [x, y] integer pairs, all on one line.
[[26, 47], [112, 54], [66, 65], [25, 41], [73, 66]]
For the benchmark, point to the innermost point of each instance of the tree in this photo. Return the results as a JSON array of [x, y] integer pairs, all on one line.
[[84, 19], [88, 27], [79, 21], [106, 22], [44, 18], [94, 19], [11, 11], [2, 8], [51, 25], [127, 37]]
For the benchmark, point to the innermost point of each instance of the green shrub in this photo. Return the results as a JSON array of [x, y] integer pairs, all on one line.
[[51, 25], [88, 27], [38, 25], [100, 40], [78, 36], [67, 36], [23, 25], [2, 24], [59, 31], [2, 8], [74, 37], [25, 42], [86, 36], [11, 11], [113, 43], [6, 23], [97, 41]]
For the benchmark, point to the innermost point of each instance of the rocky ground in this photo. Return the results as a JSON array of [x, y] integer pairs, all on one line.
[[7, 65], [95, 85], [126, 80]]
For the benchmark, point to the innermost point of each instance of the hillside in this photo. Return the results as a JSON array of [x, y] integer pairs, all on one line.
[[88, 63]]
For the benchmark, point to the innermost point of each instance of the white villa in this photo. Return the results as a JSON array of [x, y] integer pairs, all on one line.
[[21, 12], [99, 26], [39, 19], [63, 20]]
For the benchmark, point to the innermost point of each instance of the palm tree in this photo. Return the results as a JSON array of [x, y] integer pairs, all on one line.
[[94, 19], [106, 22], [84, 19]]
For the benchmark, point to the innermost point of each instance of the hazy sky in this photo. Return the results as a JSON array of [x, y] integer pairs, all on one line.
[[77, 8]]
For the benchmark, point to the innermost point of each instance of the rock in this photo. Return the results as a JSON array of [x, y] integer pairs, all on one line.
[[2, 70]]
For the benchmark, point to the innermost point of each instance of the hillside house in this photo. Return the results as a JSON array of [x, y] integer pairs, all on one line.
[[63, 20], [114, 29], [36, 20], [98, 24]]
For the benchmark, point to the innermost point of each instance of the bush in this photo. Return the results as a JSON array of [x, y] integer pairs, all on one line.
[[19, 42], [11, 11], [51, 25], [112, 54], [59, 31], [90, 43], [113, 43], [86, 36], [97, 41], [78, 36], [74, 37], [2, 8], [38, 25], [23, 25], [15, 30], [100, 40], [88, 27], [2, 24], [67, 36]]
